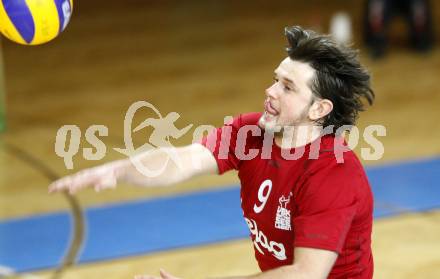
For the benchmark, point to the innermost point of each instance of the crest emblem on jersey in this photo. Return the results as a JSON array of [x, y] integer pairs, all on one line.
[[282, 220]]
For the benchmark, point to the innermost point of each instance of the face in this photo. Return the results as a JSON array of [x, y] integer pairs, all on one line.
[[289, 98]]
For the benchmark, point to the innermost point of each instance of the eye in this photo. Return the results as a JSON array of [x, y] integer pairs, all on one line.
[[287, 88]]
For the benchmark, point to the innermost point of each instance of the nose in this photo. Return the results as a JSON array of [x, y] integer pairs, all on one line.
[[271, 91]]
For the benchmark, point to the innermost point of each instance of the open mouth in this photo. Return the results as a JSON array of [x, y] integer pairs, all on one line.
[[268, 109]]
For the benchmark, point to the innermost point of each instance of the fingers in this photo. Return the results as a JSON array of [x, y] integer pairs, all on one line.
[[101, 177], [146, 277], [163, 275], [166, 275], [60, 184], [71, 183]]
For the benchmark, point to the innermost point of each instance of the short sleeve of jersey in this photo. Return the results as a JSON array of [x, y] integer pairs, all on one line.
[[222, 141], [326, 204]]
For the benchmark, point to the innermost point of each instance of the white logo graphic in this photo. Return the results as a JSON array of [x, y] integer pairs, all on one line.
[[266, 186], [68, 142], [277, 249], [282, 220], [164, 128]]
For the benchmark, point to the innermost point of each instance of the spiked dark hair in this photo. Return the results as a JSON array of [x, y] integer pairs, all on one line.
[[339, 76]]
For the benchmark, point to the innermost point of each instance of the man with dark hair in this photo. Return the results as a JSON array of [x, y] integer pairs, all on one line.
[[309, 213]]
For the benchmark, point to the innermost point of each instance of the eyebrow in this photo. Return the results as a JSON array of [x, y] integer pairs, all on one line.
[[287, 79]]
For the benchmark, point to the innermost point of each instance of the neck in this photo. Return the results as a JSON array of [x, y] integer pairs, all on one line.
[[297, 136]]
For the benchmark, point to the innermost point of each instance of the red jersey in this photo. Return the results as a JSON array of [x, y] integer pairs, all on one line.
[[303, 202]]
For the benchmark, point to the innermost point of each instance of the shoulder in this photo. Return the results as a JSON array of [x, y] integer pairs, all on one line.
[[244, 119], [332, 176], [329, 161], [332, 156]]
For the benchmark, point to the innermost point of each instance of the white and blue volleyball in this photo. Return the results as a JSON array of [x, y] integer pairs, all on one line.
[[34, 22]]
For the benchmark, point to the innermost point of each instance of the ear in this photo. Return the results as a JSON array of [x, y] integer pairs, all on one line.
[[320, 109]]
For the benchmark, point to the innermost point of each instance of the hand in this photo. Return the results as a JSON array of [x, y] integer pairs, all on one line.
[[163, 275], [101, 177]]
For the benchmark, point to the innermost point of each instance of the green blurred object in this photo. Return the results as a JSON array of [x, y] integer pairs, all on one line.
[[2, 93]]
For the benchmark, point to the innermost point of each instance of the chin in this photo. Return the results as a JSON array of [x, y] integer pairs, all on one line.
[[268, 124]]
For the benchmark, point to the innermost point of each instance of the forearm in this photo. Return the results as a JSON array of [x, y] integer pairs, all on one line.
[[166, 166], [159, 167], [284, 272]]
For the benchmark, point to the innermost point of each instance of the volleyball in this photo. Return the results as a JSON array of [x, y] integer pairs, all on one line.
[[34, 22]]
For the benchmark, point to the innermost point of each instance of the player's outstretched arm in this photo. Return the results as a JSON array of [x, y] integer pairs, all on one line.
[[159, 167], [309, 263]]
